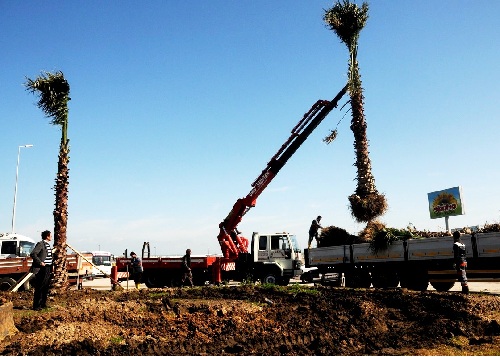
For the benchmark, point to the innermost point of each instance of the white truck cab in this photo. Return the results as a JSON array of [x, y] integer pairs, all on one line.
[[277, 257], [13, 245]]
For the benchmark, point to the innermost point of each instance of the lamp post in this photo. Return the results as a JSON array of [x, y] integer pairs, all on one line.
[[15, 189]]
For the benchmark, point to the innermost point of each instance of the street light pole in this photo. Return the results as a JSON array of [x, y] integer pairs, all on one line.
[[15, 189]]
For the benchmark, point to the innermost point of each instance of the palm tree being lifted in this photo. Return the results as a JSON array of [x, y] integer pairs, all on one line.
[[347, 20], [53, 91]]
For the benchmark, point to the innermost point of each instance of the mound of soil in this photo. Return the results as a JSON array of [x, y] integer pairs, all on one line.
[[255, 320]]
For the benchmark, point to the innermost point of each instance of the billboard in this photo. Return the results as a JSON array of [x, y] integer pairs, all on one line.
[[446, 203]]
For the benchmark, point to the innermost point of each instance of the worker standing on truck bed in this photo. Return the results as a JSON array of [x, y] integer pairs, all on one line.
[[186, 268], [460, 261], [42, 268], [313, 231], [137, 269]]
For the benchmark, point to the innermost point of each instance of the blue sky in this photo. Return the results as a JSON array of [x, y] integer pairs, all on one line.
[[177, 106]]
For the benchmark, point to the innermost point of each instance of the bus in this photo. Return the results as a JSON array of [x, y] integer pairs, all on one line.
[[102, 261]]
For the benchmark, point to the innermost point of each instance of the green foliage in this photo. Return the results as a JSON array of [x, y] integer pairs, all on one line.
[[269, 286], [493, 227], [347, 20], [248, 281], [116, 340], [334, 236], [299, 288], [53, 90], [385, 237], [292, 289]]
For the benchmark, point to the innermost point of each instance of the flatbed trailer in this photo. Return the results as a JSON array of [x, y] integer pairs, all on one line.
[[167, 271], [411, 263], [14, 269]]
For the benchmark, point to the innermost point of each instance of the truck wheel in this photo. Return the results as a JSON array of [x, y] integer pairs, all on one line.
[[358, 278], [269, 278], [306, 277], [7, 283], [442, 285], [284, 281], [418, 281], [154, 281], [385, 279]]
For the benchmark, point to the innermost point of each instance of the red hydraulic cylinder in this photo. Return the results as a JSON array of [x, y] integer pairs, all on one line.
[[216, 271], [114, 276]]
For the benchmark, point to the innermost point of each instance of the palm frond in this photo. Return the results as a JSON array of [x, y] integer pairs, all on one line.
[[330, 137], [53, 91], [333, 133], [347, 20]]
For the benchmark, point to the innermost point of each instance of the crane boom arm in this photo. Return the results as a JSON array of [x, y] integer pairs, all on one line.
[[231, 243]]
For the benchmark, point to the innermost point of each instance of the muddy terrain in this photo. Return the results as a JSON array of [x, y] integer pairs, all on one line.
[[255, 320]]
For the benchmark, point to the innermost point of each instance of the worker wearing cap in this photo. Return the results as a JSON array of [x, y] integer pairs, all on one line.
[[137, 269], [186, 268], [313, 230], [460, 262]]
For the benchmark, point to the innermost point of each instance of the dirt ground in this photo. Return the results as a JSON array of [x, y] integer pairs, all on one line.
[[255, 320]]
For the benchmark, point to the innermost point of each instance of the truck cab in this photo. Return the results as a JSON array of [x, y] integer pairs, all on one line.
[[277, 257], [13, 245]]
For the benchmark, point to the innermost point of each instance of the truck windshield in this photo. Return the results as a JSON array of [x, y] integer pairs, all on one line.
[[295, 244], [101, 260], [25, 248], [279, 242]]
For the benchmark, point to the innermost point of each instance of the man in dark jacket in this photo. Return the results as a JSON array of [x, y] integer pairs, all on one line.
[[460, 262], [313, 231], [42, 268], [137, 269], [186, 268]]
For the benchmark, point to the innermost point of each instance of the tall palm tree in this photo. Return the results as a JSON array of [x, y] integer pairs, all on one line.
[[53, 91], [347, 20]]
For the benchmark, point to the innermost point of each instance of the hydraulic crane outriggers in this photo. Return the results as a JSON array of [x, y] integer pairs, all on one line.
[[232, 244]]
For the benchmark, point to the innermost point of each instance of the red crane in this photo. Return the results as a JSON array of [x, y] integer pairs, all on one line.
[[232, 244]]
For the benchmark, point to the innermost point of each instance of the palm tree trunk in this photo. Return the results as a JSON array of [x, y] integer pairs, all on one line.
[[60, 281], [366, 182], [366, 202]]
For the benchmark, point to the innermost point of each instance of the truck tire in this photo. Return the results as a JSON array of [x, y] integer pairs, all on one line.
[[269, 278], [416, 280], [358, 278], [284, 281], [385, 279], [7, 283], [442, 285], [154, 281], [306, 277]]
